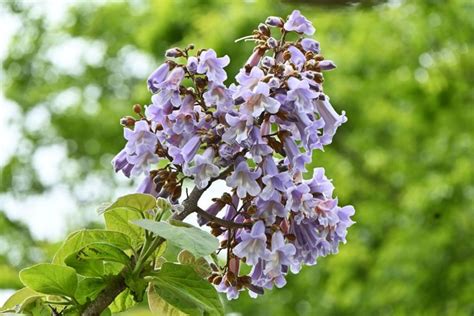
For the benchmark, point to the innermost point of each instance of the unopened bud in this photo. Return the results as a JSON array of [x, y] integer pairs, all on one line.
[[264, 29], [286, 55], [268, 61], [272, 42], [274, 21], [174, 52], [137, 108], [127, 121]]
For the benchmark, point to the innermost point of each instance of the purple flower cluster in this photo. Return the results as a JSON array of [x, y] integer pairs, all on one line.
[[258, 135]]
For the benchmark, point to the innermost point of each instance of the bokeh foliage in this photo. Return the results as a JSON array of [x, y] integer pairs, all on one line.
[[404, 159]]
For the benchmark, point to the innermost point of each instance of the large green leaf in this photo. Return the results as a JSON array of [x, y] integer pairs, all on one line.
[[180, 286], [195, 240], [122, 302], [50, 279], [89, 288], [137, 202], [119, 220], [82, 238], [200, 265], [101, 251], [18, 298], [158, 306]]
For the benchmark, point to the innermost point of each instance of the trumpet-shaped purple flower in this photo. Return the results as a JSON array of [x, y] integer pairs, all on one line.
[[259, 100], [204, 168], [332, 120], [212, 66], [252, 245], [273, 179], [140, 147], [281, 256], [297, 57], [240, 127], [219, 96], [185, 154], [247, 82], [310, 45], [192, 64], [320, 184], [297, 159], [244, 180], [269, 208], [121, 163], [157, 77], [301, 94], [169, 88], [327, 65], [259, 147], [298, 23]]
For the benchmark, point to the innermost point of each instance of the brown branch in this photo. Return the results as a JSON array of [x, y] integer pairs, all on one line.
[[106, 296], [220, 221]]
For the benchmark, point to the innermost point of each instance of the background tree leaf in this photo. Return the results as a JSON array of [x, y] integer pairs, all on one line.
[[50, 279], [195, 240]]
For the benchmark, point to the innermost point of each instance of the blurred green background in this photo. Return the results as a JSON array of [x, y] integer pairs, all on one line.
[[404, 159]]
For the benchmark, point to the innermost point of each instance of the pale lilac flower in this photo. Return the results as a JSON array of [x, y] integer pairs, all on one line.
[[244, 180], [185, 154], [298, 23], [274, 21], [204, 168], [269, 208], [220, 96], [240, 127], [327, 65], [273, 179], [320, 184], [332, 120], [192, 64], [148, 186], [281, 255], [157, 77], [140, 147], [121, 163], [297, 159], [169, 88], [212, 66], [301, 94], [259, 147], [310, 45], [252, 246], [259, 100], [296, 195], [247, 82], [297, 57]]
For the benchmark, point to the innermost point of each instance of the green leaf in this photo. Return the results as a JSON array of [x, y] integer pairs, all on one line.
[[200, 265], [122, 302], [119, 220], [137, 202], [163, 205], [137, 286], [50, 279], [35, 306], [158, 306], [180, 286], [89, 288], [101, 251], [195, 240], [87, 268], [18, 298], [77, 240]]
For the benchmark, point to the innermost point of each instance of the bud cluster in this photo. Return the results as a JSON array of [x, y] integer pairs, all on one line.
[[258, 135]]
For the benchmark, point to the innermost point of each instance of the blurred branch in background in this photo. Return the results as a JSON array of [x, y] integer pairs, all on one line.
[[404, 158]]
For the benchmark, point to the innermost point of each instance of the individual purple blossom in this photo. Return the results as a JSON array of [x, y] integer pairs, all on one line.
[[212, 66], [270, 207], [192, 64], [148, 186], [187, 152], [140, 147], [301, 94], [157, 77], [259, 100], [169, 88], [184, 119], [121, 163], [247, 82], [204, 168], [273, 178], [259, 147], [296, 195], [297, 57], [297, 159], [281, 256], [332, 120], [220, 96], [244, 180], [239, 128], [252, 245], [298, 23], [157, 112], [327, 65], [320, 184], [274, 21], [310, 45]]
